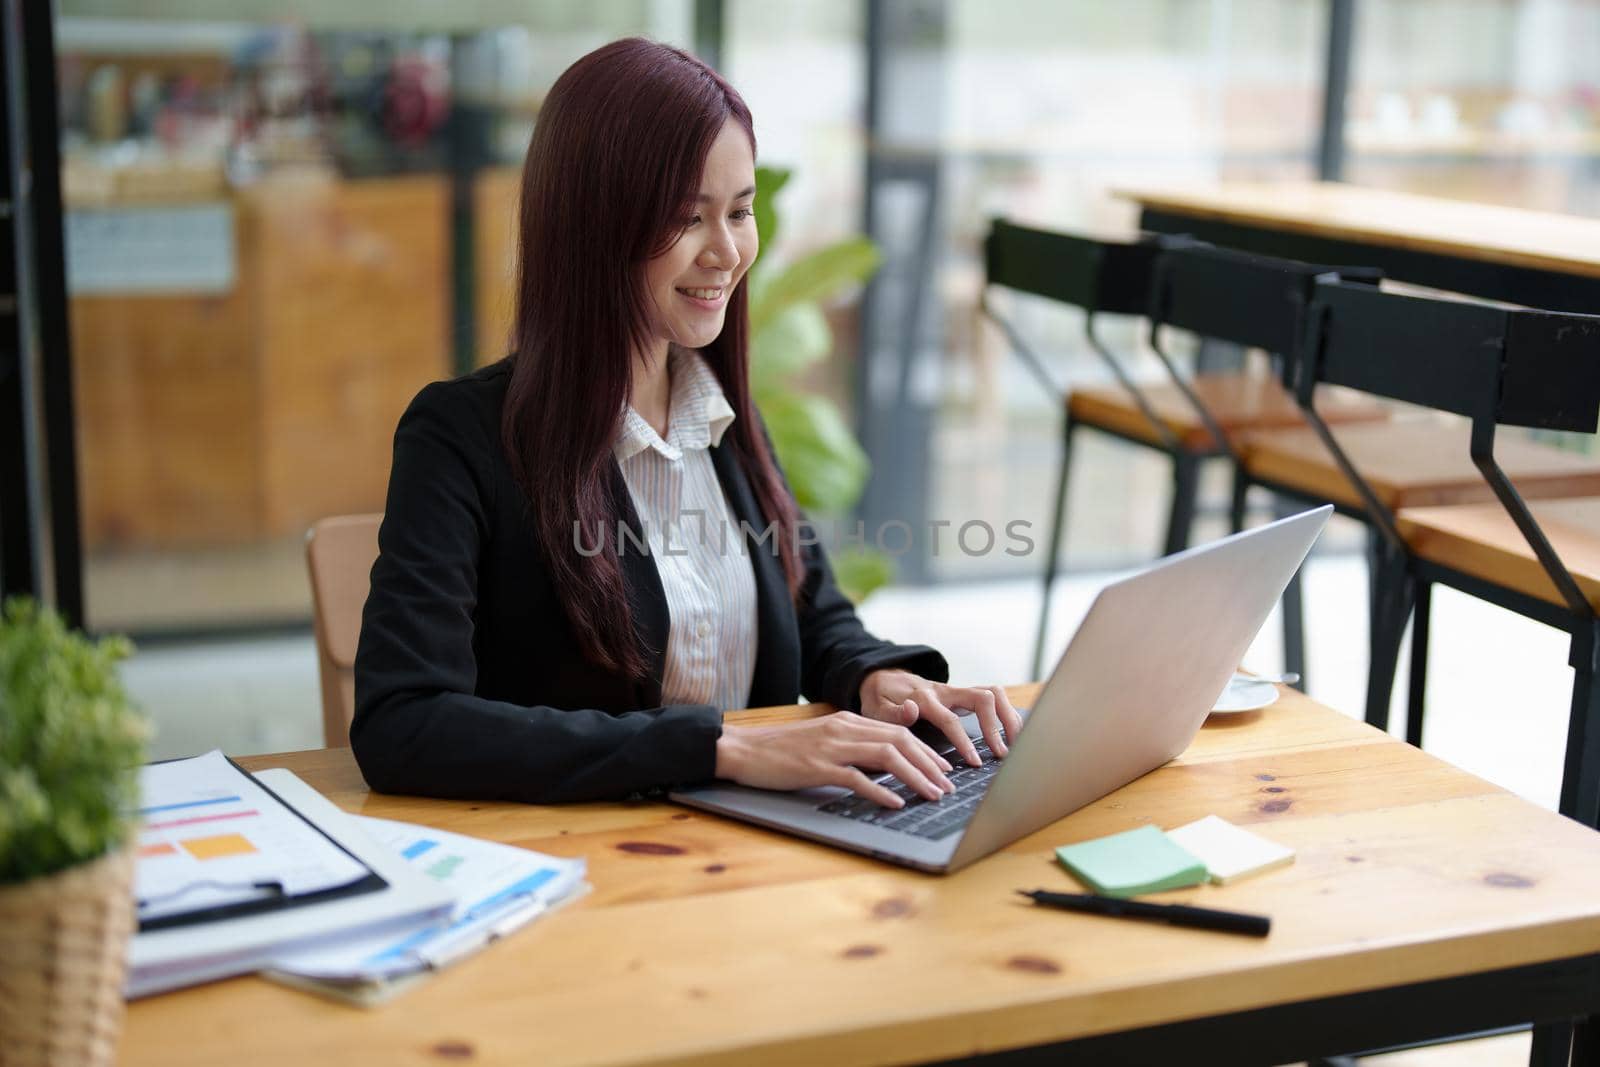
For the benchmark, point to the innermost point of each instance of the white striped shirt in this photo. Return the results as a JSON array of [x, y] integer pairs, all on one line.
[[705, 573]]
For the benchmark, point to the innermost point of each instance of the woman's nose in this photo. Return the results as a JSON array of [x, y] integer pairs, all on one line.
[[720, 252]]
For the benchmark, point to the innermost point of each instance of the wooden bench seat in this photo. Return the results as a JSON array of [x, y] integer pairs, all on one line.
[[1413, 463], [1481, 540], [1239, 402]]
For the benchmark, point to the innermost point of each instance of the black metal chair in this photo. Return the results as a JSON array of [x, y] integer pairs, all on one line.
[[1497, 366], [1248, 300], [1098, 277]]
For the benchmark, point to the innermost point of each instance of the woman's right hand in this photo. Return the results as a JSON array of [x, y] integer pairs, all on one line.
[[832, 750]]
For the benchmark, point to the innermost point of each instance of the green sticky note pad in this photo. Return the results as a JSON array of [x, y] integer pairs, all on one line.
[[1127, 864]]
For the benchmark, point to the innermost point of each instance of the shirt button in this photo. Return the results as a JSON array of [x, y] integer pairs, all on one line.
[[703, 629]]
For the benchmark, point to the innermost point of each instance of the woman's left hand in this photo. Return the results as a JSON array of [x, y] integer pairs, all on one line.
[[901, 697]]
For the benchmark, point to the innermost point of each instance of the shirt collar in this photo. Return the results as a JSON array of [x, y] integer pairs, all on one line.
[[699, 412]]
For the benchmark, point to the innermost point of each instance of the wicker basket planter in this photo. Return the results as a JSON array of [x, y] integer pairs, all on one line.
[[63, 954]]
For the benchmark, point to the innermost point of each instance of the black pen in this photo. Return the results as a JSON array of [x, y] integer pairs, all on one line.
[[1231, 922]]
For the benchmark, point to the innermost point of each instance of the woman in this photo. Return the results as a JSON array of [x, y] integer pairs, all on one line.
[[511, 647]]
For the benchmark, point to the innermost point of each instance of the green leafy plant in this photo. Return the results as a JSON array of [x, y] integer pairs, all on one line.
[[70, 744], [789, 335]]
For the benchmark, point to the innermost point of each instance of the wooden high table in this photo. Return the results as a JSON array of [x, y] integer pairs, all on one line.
[[1535, 258], [1423, 902]]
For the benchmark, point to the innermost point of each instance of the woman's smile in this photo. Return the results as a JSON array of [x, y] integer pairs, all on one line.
[[706, 299], [692, 280]]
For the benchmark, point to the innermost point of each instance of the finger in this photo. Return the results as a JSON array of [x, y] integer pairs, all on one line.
[[883, 731], [1008, 714], [982, 701], [925, 759], [886, 756], [881, 711], [888, 711], [914, 714], [949, 724], [859, 784]]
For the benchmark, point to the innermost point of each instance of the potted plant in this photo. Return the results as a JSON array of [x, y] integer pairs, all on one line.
[[70, 749], [826, 467]]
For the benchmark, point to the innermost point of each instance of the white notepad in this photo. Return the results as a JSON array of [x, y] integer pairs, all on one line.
[[1228, 851]]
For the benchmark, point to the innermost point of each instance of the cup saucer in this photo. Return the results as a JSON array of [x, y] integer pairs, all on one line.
[[1244, 693]]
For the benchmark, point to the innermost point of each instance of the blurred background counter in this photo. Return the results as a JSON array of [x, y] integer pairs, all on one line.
[[241, 361], [265, 260]]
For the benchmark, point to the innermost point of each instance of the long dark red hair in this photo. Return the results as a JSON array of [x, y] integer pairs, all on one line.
[[611, 175]]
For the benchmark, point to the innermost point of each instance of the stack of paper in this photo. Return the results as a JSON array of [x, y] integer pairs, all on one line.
[[231, 874], [1230, 852], [1149, 861], [1127, 864], [240, 872], [497, 889]]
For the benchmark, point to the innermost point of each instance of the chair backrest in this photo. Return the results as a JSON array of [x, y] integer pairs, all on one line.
[[1492, 363], [1497, 365], [1249, 300], [340, 552], [1098, 276]]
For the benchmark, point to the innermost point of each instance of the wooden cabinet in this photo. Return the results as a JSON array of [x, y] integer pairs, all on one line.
[[223, 418]]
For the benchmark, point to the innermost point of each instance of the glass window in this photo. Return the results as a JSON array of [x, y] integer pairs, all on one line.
[[1502, 108], [1048, 109], [268, 256]]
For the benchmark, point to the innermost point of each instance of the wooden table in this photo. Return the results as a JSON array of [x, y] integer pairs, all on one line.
[[1540, 259], [1424, 901]]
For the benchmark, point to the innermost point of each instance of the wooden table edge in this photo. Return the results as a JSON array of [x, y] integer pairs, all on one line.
[[1182, 202]]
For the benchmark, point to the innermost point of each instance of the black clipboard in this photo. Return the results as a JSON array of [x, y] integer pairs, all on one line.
[[371, 882]]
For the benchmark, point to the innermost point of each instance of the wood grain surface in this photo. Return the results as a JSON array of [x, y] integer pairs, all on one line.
[[1238, 402], [1486, 232], [1413, 463], [1481, 540], [710, 942]]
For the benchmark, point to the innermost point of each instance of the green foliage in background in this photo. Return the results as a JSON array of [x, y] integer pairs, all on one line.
[[789, 334], [70, 744]]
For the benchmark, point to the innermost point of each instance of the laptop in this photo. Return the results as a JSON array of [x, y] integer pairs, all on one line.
[[1129, 694]]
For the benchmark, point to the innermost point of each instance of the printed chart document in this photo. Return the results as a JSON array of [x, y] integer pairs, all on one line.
[[497, 888], [212, 838], [231, 873]]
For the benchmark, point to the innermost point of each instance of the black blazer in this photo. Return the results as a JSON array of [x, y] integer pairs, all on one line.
[[469, 682]]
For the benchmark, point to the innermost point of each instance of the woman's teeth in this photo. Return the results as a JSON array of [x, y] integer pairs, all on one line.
[[702, 294]]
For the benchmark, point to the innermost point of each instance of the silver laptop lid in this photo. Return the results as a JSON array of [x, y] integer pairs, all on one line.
[[1139, 677]]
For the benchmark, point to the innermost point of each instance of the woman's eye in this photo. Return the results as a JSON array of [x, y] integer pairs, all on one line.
[[744, 213]]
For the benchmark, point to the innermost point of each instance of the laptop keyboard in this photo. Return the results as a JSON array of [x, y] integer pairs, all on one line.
[[931, 819]]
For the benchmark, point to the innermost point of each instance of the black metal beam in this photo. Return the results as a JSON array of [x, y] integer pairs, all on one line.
[[1336, 89], [41, 269], [1381, 1018], [19, 564]]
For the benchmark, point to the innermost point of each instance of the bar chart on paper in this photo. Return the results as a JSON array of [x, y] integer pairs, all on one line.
[[211, 836], [165, 831]]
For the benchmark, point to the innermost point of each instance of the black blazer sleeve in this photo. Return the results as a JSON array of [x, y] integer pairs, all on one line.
[[419, 727]]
